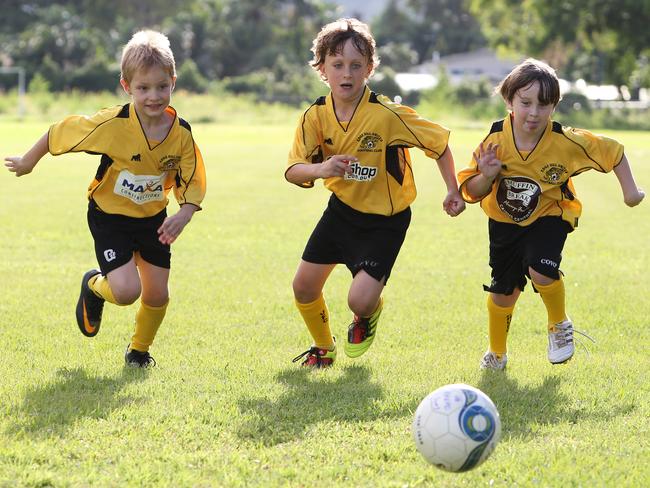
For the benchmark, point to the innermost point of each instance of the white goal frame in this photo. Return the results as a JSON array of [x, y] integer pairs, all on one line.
[[21, 85]]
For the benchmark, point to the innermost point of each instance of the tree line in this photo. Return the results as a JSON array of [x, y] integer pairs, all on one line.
[[262, 46]]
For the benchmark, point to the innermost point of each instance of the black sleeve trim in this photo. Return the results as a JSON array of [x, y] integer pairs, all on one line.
[[496, 127], [184, 123], [124, 113]]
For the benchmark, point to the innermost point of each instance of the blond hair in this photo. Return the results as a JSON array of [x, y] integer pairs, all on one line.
[[333, 36], [146, 49]]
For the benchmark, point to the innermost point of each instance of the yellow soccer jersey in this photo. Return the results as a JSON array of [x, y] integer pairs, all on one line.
[[134, 176], [538, 183], [379, 135]]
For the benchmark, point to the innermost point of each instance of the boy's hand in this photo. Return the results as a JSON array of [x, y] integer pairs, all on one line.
[[453, 203], [172, 227], [488, 163], [19, 165], [635, 198], [337, 165]]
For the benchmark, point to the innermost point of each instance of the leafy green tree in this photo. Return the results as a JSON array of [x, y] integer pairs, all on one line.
[[603, 41], [428, 26]]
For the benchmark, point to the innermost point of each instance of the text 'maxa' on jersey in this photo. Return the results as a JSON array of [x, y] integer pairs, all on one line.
[[135, 175]]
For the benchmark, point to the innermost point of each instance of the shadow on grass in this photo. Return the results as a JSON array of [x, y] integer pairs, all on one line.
[[312, 397], [524, 409], [72, 396]]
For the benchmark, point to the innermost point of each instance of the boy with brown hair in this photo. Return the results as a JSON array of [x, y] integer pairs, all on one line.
[[358, 143], [521, 175]]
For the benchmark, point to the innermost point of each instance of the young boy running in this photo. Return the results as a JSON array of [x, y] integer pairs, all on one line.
[[357, 142], [145, 151], [521, 175]]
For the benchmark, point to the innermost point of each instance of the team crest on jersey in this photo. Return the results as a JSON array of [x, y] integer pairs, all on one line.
[[140, 189], [361, 173], [554, 174], [369, 142], [518, 197], [169, 162]]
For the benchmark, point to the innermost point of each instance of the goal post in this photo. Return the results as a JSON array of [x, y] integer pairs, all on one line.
[[21, 85]]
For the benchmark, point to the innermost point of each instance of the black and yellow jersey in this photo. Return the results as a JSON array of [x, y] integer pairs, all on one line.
[[135, 175], [538, 183], [379, 134]]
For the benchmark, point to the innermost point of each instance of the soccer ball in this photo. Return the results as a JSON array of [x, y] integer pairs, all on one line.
[[456, 427]]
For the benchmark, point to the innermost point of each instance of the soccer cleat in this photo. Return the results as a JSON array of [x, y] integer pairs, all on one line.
[[138, 359], [89, 307], [315, 357], [361, 332], [491, 360], [560, 342]]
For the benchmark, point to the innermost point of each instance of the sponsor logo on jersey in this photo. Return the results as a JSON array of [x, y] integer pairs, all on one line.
[[140, 189], [136, 157], [369, 142], [553, 173], [169, 162], [361, 173], [518, 197], [328, 141]]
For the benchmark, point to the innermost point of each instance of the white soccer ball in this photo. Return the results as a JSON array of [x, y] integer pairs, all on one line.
[[456, 427]]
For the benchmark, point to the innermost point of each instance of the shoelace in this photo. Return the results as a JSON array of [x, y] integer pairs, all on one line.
[[312, 350], [143, 360], [578, 341], [362, 323], [491, 360], [565, 335], [94, 306]]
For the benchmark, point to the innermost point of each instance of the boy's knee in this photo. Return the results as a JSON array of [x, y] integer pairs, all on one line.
[[303, 293], [126, 295], [544, 276], [361, 307]]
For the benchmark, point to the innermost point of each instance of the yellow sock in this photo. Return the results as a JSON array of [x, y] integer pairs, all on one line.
[[147, 321], [499, 324], [317, 319], [100, 287], [554, 300]]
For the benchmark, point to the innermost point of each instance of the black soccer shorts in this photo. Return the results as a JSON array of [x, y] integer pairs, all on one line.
[[117, 237], [359, 240], [514, 248]]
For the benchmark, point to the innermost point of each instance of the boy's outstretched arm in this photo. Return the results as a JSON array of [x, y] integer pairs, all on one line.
[[632, 194], [453, 203], [22, 165]]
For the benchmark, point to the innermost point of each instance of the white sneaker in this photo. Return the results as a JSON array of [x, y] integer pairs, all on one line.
[[491, 361], [560, 342]]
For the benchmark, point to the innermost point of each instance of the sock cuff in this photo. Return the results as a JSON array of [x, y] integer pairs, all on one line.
[[547, 288], [151, 307], [308, 306], [497, 308]]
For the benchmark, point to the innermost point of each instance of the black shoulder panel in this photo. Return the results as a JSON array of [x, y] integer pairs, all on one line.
[[373, 98], [320, 101], [124, 113], [497, 127], [557, 127], [184, 123]]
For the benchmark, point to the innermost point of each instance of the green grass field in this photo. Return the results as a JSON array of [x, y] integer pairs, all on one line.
[[226, 407]]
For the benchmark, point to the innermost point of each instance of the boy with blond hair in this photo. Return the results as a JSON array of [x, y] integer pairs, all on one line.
[[146, 150]]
